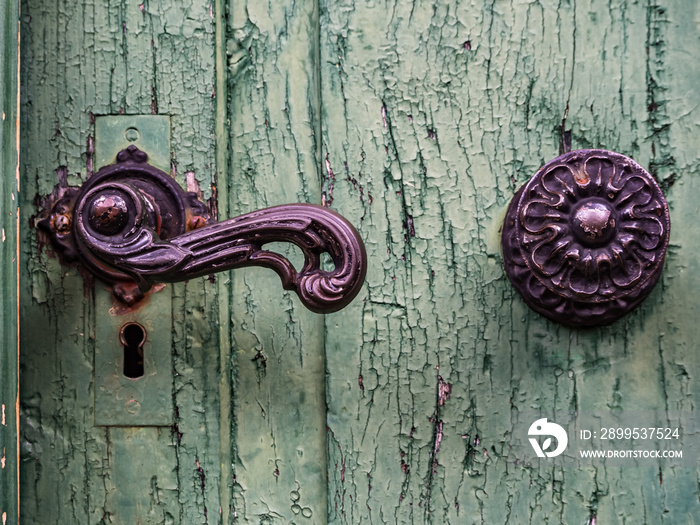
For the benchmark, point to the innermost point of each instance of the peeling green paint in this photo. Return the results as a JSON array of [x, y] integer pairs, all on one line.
[[279, 410], [439, 111], [417, 121], [81, 60]]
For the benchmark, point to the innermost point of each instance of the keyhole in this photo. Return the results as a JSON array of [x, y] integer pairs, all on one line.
[[133, 337]]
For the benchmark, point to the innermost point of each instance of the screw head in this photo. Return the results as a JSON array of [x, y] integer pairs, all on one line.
[[131, 134], [197, 222], [61, 223]]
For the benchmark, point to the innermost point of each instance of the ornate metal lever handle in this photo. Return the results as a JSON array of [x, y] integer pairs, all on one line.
[[131, 223]]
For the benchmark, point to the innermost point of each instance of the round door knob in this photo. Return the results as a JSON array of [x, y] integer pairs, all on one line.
[[584, 240]]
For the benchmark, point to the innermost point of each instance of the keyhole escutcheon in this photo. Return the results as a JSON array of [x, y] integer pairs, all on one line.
[[132, 337]]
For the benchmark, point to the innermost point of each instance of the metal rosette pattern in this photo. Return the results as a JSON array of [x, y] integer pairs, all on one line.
[[584, 240]]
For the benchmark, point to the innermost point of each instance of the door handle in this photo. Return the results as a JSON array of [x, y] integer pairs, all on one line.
[[132, 226], [584, 240]]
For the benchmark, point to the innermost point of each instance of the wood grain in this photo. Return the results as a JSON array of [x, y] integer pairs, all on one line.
[[434, 114], [417, 121], [9, 188], [279, 409], [81, 60]]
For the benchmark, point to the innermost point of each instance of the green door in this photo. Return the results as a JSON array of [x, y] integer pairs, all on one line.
[[417, 121], [9, 166]]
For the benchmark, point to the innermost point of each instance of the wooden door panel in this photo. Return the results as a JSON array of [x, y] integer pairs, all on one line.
[[434, 114], [417, 121], [9, 264], [279, 408], [82, 60]]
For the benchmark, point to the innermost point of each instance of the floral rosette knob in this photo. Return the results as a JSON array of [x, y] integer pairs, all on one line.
[[584, 240]]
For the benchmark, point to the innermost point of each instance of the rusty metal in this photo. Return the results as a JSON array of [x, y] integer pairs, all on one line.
[[584, 240], [197, 222], [133, 226]]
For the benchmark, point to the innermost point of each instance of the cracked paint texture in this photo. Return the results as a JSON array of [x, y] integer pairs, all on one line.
[[440, 111], [279, 408], [417, 121], [82, 59]]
